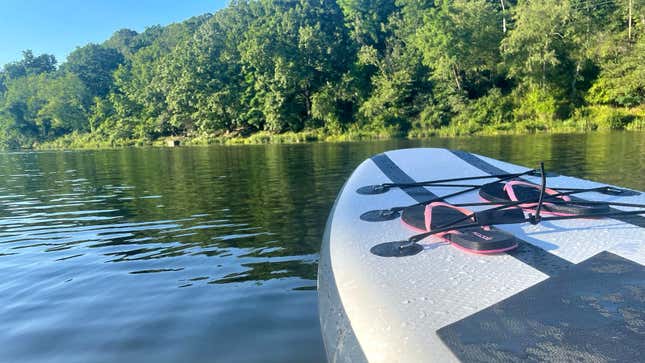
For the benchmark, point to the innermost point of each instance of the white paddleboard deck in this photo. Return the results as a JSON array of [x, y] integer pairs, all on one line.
[[444, 304]]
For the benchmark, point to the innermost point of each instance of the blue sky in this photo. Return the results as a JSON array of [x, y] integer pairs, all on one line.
[[59, 26]]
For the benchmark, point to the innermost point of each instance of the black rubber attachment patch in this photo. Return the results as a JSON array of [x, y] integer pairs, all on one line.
[[592, 312], [620, 192], [379, 215], [396, 249], [372, 189]]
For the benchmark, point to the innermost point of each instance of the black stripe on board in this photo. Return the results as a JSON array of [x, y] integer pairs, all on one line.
[[531, 255], [486, 167], [396, 175], [477, 162], [539, 259]]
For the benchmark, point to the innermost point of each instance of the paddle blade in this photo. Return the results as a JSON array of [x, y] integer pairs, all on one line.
[[500, 216]]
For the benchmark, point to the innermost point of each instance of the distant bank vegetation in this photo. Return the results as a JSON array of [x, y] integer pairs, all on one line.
[[296, 70]]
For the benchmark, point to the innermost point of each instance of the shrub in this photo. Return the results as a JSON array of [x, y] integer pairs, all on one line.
[[536, 107]]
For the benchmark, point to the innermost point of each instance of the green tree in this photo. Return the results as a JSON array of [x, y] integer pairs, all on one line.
[[65, 105], [139, 81], [202, 77], [401, 90], [290, 52], [622, 79], [94, 65], [537, 46], [460, 41], [125, 41], [41, 106], [30, 64], [368, 20]]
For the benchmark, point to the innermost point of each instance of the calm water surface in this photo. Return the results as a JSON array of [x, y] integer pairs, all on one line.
[[201, 254]]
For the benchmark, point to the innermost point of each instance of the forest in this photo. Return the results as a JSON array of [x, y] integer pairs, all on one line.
[[298, 70]]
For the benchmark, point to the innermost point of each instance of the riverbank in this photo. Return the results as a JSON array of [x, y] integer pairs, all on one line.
[[591, 120]]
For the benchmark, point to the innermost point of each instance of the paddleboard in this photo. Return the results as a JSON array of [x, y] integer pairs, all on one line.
[[572, 290]]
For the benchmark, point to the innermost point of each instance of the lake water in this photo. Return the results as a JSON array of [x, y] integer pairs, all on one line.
[[204, 254]]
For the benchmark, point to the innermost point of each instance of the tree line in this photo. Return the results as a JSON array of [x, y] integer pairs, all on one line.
[[401, 67]]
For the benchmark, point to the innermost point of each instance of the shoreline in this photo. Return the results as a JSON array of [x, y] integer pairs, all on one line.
[[87, 141]]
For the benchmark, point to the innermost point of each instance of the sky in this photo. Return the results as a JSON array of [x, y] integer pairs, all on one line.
[[59, 26]]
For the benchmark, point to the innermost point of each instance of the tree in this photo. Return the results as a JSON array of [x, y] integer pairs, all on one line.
[[65, 105], [537, 46], [401, 89], [45, 105], [368, 20], [202, 77], [140, 81], [290, 52], [460, 43], [622, 79], [125, 41], [94, 65], [29, 65]]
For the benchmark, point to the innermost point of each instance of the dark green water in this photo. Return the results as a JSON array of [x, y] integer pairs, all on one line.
[[201, 254]]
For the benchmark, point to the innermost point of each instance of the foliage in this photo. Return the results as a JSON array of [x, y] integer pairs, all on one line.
[[29, 65], [94, 65], [622, 79], [460, 42], [303, 70]]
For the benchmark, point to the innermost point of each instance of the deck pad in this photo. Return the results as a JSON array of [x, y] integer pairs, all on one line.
[[593, 312]]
